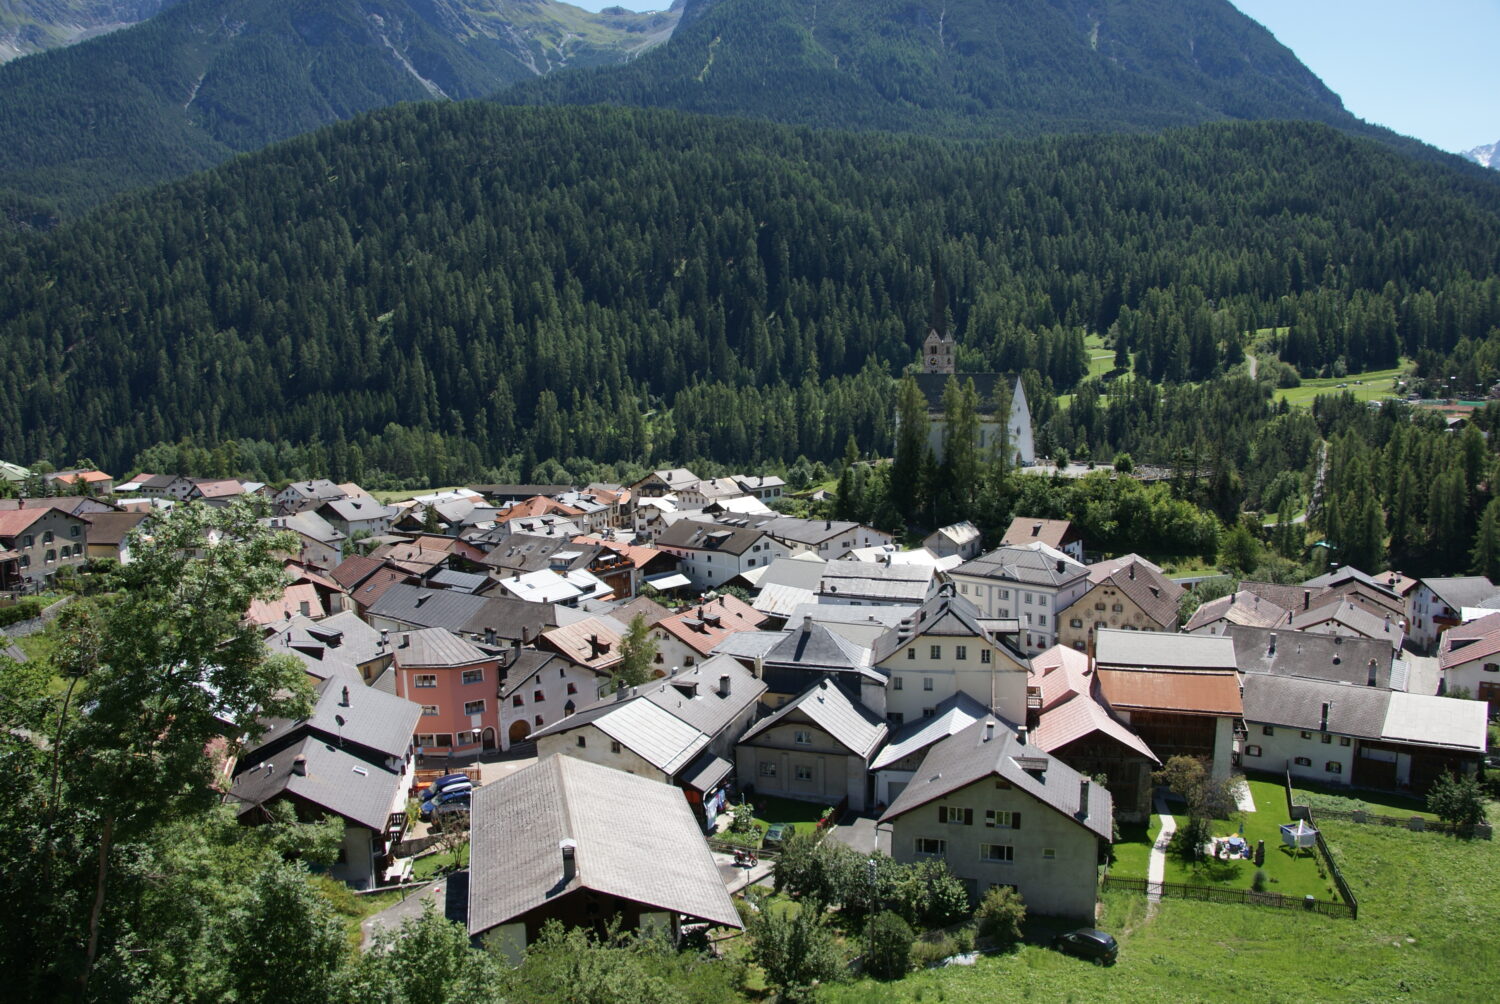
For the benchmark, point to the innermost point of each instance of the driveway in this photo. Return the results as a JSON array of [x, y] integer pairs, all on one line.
[[856, 830], [449, 894]]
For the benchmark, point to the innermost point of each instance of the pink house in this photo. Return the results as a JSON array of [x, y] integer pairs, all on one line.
[[458, 686]]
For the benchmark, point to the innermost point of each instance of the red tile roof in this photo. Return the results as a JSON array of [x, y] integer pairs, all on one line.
[[703, 626]]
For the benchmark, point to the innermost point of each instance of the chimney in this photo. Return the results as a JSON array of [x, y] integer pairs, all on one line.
[[525, 635], [724, 686], [828, 524], [1306, 598], [1371, 673], [569, 848], [758, 669], [1323, 718], [989, 731], [1231, 599], [807, 623], [305, 608], [1132, 573], [1271, 645], [345, 702], [1021, 735], [1059, 564], [1083, 798], [299, 765], [385, 637]]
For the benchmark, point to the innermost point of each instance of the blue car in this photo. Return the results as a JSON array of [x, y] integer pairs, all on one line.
[[456, 794], [443, 784]]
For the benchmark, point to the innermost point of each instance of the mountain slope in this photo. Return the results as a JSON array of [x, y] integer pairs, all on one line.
[[1485, 156], [962, 67], [635, 285], [209, 78], [28, 26]]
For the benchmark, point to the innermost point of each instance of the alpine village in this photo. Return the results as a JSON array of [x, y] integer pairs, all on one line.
[[759, 501]]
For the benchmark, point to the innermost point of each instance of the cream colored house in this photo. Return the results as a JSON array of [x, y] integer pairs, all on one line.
[[1128, 593], [816, 748], [1001, 813]]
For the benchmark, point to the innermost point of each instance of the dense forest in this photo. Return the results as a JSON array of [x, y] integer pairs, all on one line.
[[970, 68], [639, 286], [210, 78]]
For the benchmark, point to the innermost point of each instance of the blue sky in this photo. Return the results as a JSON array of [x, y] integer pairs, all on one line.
[[1425, 68]]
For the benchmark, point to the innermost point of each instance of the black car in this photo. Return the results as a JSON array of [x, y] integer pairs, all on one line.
[[1087, 943]]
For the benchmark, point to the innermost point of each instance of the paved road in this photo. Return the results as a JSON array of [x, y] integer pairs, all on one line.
[[857, 830], [449, 894]]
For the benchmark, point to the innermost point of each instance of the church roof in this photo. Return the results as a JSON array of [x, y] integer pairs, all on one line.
[[988, 386]]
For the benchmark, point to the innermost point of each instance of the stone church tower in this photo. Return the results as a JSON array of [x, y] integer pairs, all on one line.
[[939, 353]]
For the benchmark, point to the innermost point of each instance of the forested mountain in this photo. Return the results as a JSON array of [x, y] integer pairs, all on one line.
[[641, 285], [209, 78], [28, 26], [974, 68]]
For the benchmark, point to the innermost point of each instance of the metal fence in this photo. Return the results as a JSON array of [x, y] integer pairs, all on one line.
[[1218, 894]]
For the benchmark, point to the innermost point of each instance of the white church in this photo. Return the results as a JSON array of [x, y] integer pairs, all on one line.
[[939, 355]]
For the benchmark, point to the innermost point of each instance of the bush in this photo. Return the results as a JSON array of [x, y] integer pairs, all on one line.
[[1457, 799], [1123, 463], [1258, 883], [888, 941], [797, 952], [931, 950], [963, 940], [23, 611], [1000, 916]]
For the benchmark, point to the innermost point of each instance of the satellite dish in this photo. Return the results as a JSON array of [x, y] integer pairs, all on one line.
[[339, 719]]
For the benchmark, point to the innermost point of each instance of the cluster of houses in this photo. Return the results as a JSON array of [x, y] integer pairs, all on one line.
[[995, 709]]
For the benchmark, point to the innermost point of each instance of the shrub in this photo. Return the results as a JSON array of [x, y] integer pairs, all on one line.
[[1000, 916], [1258, 883], [797, 951], [931, 950], [888, 941], [1457, 799], [25, 610], [1123, 463], [963, 940]]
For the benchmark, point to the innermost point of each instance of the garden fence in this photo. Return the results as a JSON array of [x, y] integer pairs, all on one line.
[[1296, 811], [1217, 894]]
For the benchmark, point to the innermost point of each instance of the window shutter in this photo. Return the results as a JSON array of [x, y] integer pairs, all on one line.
[[1015, 820], [968, 817]]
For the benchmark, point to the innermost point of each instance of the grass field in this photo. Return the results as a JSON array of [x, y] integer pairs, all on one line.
[[1364, 386], [1426, 907], [770, 809]]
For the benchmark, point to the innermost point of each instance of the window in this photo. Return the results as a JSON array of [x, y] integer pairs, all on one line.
[[962, 652], [926, 683], [1005, 594], [583, 742], [1492, 667], [929, 712], [1302, 761], [1049, 853], [930, 847], [517, 702], [911, 653], [1307, 735], [72, 531], [802, 737], [424, 680], [473, 676], [997, 852], [539, 722], [1002, 819], [1098, 606], [1266, 730], [955, 814], [935, 652], [896, 683], [569, 708], [51, 555], [964, 588], [474, 707], [1333, 767], [984, 656], [28, 540], [614, 747], [572, 688], [468, 738], [1075, 623], [538, 697], [1252, 750], [1343, 740], [1327, 739], [767, 769], [47, 537], [1041, 620], [804, 773], [429, 709], [1118, 608]]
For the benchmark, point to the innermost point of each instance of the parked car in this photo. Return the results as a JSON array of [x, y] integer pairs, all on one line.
[[778, 833], [1087, 943], [455, 794], [443, 783], [446, 811]]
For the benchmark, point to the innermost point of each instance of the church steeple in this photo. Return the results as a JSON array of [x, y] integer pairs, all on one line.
[[939, 350]]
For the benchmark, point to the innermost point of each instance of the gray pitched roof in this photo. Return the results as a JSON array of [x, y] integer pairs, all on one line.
[[807, 531], [953, 715], [989, 748], [1351, 616], [1027, 565], [337, 644], [423, 607], [1311, 656], [1462, 591], [336, 780], [875, 581], [435, 647], [1157, 650], [1298, 704], [850, 723], [351, 714], [809, 645], [635, 839], [669, 722], [695, 536], [944, 615]]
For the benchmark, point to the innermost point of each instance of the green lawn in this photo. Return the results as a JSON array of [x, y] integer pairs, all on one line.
[[426, 868], [1425, 905], [770, 809], [1318, 796], [1289, 875], [1365, 386]]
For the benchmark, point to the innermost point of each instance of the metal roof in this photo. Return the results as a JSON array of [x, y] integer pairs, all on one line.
[[989, 748], [1298, 704], [953, 715], [634, 838], [828, 707], [1033, 564], [1160, 650], [1178, 690], [436, 648], [1436, 721], [1312, 656], [336, 780]]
